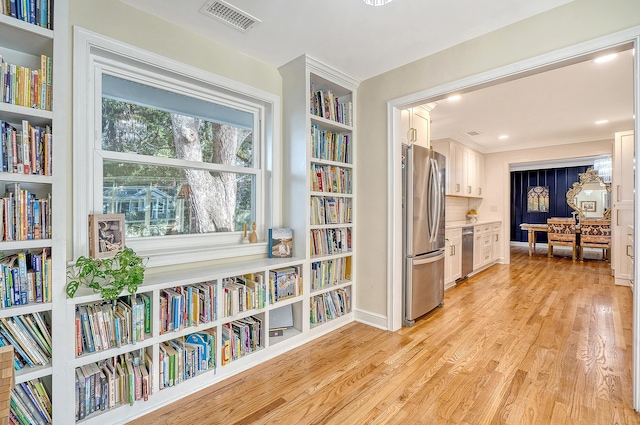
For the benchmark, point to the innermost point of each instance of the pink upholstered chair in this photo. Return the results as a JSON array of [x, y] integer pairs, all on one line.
[[562, 232]]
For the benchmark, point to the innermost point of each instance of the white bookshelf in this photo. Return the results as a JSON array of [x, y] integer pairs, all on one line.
[[153, 285], [297, 195], [22, 43], [302, 79]]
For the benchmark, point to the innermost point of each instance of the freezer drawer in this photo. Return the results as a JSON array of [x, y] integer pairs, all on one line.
[[424, 288]]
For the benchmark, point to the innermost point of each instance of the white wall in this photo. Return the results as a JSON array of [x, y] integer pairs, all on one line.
[[576, 22]]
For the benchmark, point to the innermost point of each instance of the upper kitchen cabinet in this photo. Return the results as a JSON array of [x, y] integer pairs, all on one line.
[[465, 168], [416, 125]]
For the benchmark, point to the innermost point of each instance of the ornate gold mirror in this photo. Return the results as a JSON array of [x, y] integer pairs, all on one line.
[[591, 196]]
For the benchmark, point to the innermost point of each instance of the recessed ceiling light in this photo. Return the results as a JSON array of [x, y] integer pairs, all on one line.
[[503, 137], [605, 58], [600, 122], [454, 98]]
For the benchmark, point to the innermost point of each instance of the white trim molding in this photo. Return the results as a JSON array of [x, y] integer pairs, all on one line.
[[95, 54]]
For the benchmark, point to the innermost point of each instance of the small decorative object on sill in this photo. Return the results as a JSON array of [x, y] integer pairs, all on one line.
[[472, 216], [245, 238], [108, 276], [253, 237]]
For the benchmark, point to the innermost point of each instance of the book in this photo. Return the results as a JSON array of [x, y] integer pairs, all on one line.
[[281, 318], [280, 243], [284, 283]]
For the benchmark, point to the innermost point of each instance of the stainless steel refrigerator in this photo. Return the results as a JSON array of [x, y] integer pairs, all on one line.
[[423, 225]]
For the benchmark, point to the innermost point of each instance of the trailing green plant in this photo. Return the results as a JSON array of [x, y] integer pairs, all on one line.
[[108, 276]]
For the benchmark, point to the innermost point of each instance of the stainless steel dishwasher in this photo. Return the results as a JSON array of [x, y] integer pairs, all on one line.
[[467, 250]]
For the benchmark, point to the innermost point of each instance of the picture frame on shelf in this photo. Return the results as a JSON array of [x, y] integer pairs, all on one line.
[[106, 235], [588, 206], [280, 243]]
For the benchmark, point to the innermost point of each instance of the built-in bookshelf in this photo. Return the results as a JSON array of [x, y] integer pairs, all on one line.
[[32, 245], [183, 330], [187, 328], [319, 154]]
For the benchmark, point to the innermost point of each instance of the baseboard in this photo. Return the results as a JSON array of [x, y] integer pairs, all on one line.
[[622, 281], [372, 319], [450, 285]]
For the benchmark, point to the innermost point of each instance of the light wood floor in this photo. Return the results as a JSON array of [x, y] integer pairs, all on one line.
[[539, 341]]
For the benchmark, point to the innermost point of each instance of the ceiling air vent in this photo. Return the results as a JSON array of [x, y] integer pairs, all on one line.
[[230, 15], [473, 133]]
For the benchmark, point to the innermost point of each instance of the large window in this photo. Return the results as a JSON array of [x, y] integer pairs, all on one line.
[[176, 165], [185, 155]]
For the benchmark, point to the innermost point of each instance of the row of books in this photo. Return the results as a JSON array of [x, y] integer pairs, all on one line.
[[243, 293], [36, 12], [30, 336], [110, 324], [285, 282], [330, 241], [328, 178], [330, 210], [329, 305], [26, 149], [30, 404], [25, 278], [23, 86], [330, 146], [188, 306], [325, 104], [121, 380], [241, 337], [186, 357], [329, 273], [23, 215]]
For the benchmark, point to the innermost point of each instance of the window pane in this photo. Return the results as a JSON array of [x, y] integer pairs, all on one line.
[[160, 200], [146, 120]]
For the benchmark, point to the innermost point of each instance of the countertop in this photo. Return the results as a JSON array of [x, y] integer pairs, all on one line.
[[465, 223]]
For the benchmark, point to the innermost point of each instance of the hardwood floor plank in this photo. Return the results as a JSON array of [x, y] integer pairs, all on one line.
[[539, 341]]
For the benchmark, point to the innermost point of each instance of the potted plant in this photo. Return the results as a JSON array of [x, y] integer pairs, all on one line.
[[108, 276]]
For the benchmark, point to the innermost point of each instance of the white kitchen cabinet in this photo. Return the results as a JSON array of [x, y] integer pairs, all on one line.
[[479, 175], [453, 257], [470, 174], [482, 248], [416, 125], [465, 168], [622, 206], [496, 242]]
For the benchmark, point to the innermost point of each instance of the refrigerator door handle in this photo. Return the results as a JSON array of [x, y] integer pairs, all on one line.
[[432, 199], [427, 260], [438, 200]]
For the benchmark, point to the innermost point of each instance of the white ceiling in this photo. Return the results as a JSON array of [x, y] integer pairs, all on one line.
[[554, 107], [359, 40]]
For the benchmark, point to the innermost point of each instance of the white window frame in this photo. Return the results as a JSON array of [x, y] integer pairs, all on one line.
[[96, 55]]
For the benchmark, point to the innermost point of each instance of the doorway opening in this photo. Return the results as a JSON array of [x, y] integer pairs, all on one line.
[[499, 168]]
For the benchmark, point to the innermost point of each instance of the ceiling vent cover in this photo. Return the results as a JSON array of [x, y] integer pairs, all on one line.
[[473, 133], [230, 15]]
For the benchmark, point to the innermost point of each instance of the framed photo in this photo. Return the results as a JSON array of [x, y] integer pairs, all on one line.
[[588, 206], [106, 235], [280, 243]]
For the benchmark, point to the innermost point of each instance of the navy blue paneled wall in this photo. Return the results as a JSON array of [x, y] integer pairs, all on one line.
[[559, 181]]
